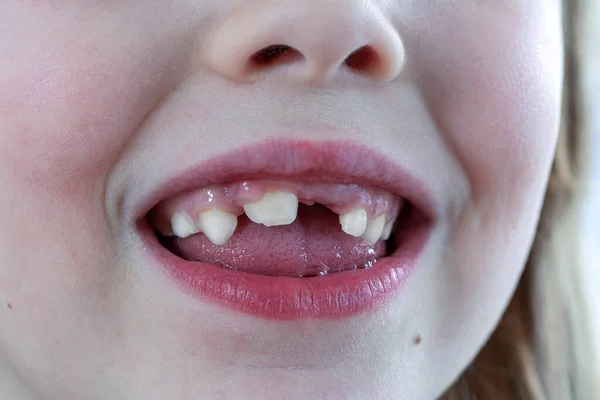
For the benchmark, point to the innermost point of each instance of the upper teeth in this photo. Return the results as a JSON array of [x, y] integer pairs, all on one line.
[[374, 229], [354, 223], [273, 209], [387, 230], [183, 226], [276, 208], [217, 225]]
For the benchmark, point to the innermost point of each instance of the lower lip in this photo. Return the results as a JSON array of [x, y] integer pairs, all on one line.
[[332, 296]]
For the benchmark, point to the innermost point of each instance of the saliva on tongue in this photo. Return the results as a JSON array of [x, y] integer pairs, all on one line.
[[313, 245]]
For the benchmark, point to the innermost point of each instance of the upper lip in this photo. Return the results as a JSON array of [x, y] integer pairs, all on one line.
[[305, 160]]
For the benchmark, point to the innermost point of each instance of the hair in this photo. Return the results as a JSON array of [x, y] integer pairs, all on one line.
[[542, 346]]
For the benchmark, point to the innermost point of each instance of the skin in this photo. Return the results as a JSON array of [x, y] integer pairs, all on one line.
[[97, 96]]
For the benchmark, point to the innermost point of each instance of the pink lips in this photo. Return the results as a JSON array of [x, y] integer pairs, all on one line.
[[278, 297]]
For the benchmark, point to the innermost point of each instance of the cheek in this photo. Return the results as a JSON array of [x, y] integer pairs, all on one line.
[[71, 99], [69, 105], [493, 84], [63, 132], [495, 97], [78, 84]]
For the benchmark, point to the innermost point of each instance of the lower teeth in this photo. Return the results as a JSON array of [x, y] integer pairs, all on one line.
[[313, 273], [324, 270], [366, 265]]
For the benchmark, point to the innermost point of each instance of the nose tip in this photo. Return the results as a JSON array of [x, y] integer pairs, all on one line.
[[312, 41]]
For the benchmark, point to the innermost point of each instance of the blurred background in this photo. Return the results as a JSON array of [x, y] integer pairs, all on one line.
[[591, 216]]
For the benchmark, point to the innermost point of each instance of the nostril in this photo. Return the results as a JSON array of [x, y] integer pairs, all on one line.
[[364, 59], [275, 54]]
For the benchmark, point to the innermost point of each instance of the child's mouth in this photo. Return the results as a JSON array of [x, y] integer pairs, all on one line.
[[289, 248], [279, 228]]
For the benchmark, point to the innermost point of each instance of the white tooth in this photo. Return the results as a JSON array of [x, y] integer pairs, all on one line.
[[183, 226], [217, 225], [354, 223], [274, 209], [387, 230], [374, 229]]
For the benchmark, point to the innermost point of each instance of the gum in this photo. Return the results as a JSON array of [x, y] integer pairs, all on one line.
[[339, 198]]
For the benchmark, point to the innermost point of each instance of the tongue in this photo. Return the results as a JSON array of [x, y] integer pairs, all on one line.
[[313, 245]]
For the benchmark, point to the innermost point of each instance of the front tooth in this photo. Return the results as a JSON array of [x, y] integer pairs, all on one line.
[[183, 225], [354, 223], [217, 225], [374, 230], [274, 209]]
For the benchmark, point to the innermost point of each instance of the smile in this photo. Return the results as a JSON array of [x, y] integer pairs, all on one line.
[[290, 230]]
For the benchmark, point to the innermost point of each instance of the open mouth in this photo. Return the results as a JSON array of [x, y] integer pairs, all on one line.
[[279, 228], [288, 247]]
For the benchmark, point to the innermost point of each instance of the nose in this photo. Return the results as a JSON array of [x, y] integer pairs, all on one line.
[[306, 41]]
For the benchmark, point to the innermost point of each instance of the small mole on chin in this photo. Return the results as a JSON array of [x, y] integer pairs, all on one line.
[[9, 306], [418, 339]]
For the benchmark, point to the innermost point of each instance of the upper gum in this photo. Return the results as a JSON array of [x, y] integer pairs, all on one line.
[[340, 198]]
